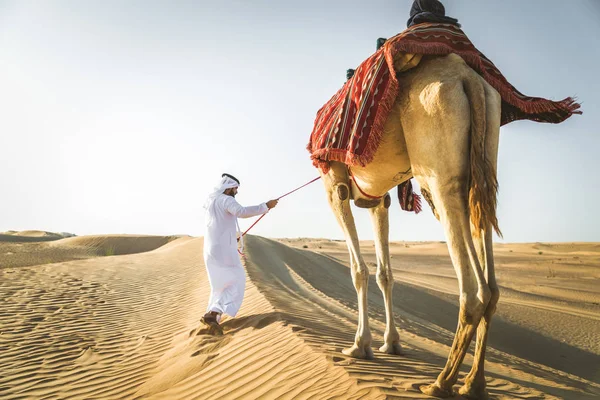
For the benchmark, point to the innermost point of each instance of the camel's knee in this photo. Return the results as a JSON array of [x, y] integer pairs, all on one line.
[[385, 278], [360, 277], [484, 294], [494, 298], [473, 307]]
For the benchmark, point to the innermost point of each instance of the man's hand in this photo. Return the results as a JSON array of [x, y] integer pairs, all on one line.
[[272, 203]]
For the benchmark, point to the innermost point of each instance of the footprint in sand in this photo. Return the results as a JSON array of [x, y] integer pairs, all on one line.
[[213, 330]]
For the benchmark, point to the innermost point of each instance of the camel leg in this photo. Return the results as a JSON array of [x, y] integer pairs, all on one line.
[[338, 195], [385, 280], [437, 129], [442, 120], [475, 386], [450, 199]]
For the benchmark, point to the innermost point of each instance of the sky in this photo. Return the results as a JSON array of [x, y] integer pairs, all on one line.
[[120, 116]]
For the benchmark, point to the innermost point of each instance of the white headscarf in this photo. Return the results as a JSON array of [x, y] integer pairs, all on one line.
[[226, 183]]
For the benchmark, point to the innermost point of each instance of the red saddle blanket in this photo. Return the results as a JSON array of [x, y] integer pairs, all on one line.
[[348, 127]]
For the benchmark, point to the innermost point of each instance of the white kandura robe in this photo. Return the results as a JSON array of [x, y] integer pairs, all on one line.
[[225, 271]]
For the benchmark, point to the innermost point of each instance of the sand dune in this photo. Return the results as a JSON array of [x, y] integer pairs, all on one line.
[[30, 236], [127, 326], [116, 244], [34, 233], [61, 249]]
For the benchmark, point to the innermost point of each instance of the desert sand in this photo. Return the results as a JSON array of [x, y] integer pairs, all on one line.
[[117, 316]]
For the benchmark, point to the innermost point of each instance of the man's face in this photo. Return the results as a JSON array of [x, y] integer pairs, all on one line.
[[231, 191]]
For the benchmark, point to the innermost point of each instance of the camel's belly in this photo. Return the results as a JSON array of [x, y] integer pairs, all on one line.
[[391, 164]]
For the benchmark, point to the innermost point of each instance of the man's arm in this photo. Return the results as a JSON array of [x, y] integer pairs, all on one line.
[[235, 208]]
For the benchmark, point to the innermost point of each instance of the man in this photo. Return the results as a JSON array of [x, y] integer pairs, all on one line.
[[429, 11], [421, 11], [225, 271]]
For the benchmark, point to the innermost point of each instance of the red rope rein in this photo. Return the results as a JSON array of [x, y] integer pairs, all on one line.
[[280, 197], [360, 190]]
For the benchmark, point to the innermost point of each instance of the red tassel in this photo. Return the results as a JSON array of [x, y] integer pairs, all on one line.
[[417, 203]]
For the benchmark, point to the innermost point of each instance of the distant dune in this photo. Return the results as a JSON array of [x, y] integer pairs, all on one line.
[[55, 248], [118, 317], [30, 236], [117, 244]]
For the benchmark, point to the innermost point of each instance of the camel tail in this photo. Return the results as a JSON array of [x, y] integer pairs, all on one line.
[[483, 186]]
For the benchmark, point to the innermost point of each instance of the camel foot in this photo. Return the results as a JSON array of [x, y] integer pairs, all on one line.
[[392, 348], [365, 353], [473, 392], [436, 391]]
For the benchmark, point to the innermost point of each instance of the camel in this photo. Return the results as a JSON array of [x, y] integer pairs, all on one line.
[[443, 130]]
